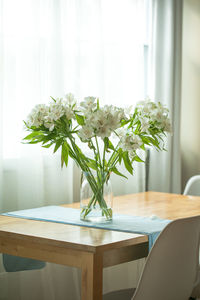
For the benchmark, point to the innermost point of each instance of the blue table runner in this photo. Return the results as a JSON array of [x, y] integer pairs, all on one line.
[[151, 226]]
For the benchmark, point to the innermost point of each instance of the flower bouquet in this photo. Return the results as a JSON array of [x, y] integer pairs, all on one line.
[[113, 135]]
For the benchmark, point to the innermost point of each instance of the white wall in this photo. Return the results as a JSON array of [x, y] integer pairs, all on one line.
[[190, 122]]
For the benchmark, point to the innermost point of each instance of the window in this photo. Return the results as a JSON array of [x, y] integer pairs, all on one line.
[[86, 47]]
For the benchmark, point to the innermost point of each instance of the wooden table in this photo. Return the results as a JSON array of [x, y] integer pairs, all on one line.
[[88, 248]]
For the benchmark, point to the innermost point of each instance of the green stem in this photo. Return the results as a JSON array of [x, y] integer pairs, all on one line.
[[114, 162], [84, 167], [96, 186], [97, 158], [103, 171], [98, 151], [114, 152]]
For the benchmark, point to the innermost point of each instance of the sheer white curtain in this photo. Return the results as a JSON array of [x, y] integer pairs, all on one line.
[[51, 47], [165, 86]]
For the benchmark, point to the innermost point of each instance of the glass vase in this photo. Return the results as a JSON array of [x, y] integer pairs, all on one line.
[[96, 206]]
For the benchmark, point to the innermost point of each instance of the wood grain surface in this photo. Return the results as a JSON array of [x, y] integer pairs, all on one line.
[[88, 248], [163, 205]]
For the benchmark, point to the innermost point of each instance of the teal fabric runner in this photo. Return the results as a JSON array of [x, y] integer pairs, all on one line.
[[151, 226], [15, 263]]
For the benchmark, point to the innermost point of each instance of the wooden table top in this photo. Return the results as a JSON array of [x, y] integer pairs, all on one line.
[[170, 206], [66, 236], [163, 205]]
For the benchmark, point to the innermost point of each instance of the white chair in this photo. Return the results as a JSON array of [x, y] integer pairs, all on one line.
[[171, 268], [193, 186]]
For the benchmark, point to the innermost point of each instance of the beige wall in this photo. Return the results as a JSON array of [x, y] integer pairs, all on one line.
[[190, 122]]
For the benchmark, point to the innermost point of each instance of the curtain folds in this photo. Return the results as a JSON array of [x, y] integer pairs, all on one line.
[[165, 86], [52, 47], [49, 48]]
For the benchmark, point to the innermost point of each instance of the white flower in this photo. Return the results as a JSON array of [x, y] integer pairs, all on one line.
[[56, 110], [160, 116], [103, 121], [49, 121], [163, 108], [145, 107], [113, 123], [59, 101], [128, 110], [86, 132], [69, 113], [157, 115], [100, 124], [121, 132], [50, 126], [36, 117], [63, 107], [130, 141], [145, 124], [114, 116], [71, 101], [41, 108], [153, 113], [90, 118], [165, 125], [100, 119], [103, 131], [89, 103]]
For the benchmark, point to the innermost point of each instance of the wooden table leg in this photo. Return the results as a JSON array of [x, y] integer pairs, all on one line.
[[92, 277]]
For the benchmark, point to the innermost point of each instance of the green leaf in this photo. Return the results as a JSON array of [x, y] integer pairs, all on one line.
[[48, 146], [64, 154], [155, 142], [124, 122], [58, 144], [82, 178], [25, 124], [147, 140], [80, 153], [33, 142], [92, 164], [120, 152], [98, 106], [53, 99], [108, 144], [127, 162], [80, 119], [115, 170], [137, 158], [33, 135], [46, 139]]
